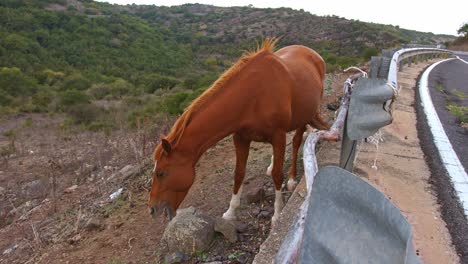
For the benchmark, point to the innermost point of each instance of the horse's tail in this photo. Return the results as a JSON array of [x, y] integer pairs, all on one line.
[[319, 123]]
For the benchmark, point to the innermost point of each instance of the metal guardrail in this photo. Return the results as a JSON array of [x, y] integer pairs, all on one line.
[[400, 55], [291, 245]]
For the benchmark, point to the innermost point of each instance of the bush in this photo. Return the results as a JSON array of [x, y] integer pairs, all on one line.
[[84, 113], [369, 52], [76, 82], [174, 103], [73, 97], [120, 87], [13, 82], [99, 90], [154, 82]]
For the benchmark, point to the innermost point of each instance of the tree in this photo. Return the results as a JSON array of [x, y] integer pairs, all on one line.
[[463, 30]]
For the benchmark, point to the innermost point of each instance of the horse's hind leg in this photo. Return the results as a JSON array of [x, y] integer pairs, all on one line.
[[279, 145], [242, 153], [297, 140]]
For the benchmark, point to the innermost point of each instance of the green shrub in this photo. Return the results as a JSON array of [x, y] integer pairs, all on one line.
[[76, 82], [153, 82], [84, 113], [120, 87], [13, 82], [174, 103], [73, 97], [369, 52], [99, 90]]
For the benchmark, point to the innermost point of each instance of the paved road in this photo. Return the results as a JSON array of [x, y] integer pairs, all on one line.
[[452, 76], [449, 76]]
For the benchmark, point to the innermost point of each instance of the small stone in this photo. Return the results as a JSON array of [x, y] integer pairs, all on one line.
[[242, 227], [70, 189], [176, 257], [255, 195], [2, 190], [75, 239], [93, 223], [333, 106], [264, 214], [256, 211], [227, 228]]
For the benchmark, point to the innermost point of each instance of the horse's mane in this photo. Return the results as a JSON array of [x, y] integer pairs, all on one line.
[[268, 45]]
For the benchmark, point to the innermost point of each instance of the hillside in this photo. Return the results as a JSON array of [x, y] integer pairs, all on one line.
[[65, 55]]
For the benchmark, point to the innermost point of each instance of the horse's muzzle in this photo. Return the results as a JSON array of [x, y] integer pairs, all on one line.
[[162, 209]]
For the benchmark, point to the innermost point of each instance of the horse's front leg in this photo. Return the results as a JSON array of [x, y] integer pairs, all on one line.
[[279, 145], [242, 153]]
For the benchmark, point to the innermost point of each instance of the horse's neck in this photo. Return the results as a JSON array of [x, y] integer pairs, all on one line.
[[209, 125]]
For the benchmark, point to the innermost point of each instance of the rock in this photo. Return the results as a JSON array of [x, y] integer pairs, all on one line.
[[124, 173], [242, 227], [227, 228], [264, 214], [256, 211], [176, 257], [189, 231], [70, 189], [127, 171], [93, 223], [255, 195], [333, 106], [75, 239], [2, 190]]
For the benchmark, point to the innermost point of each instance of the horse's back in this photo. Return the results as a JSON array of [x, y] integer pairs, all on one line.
[[307, 69]]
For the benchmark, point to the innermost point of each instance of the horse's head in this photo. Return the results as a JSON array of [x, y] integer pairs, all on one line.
[[173, 175]]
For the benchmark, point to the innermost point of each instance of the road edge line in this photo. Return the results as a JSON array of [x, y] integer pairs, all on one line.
[[449, 158]]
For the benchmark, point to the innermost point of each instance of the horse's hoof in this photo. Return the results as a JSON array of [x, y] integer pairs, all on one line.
[[229, 216], [292, 184]]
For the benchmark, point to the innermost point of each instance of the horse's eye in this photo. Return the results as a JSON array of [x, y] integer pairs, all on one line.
[[160, 174]]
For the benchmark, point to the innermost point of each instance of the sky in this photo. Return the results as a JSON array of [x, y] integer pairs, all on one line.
[[439, 17]]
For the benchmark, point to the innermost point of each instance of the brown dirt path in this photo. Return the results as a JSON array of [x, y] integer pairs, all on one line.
[[402, 175]]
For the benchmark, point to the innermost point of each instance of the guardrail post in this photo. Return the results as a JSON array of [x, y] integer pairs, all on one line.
[[348, 149]]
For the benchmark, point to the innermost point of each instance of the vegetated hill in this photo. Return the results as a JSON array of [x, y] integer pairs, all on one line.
[[62, 55], [330, 35]]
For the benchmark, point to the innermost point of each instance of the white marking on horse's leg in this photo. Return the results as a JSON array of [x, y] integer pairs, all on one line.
[[230, 214], [291, 184], [270, 168], [278, 206]]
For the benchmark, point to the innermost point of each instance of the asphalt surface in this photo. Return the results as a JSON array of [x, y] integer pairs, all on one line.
[[450, 75]]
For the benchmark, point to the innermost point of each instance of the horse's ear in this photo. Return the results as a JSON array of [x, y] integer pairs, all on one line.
[[166, 145]]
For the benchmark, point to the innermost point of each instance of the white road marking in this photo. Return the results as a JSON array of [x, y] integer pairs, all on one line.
[[448, 156]]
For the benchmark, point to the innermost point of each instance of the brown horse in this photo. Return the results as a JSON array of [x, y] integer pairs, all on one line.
[[260, 98]]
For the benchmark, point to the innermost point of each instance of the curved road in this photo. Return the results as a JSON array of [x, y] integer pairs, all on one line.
[[452, 77], [448, 84]]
